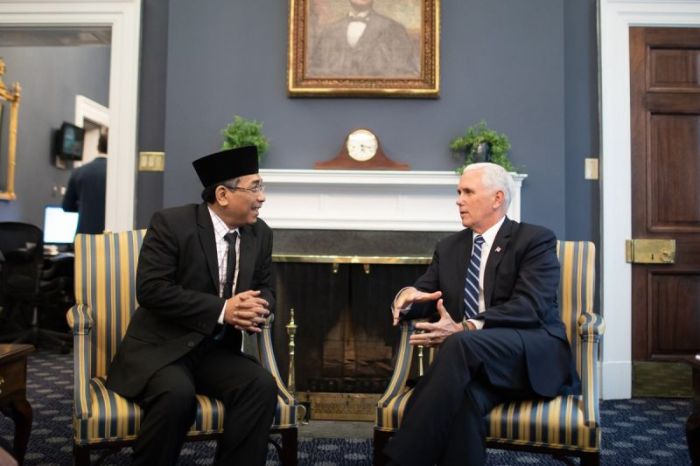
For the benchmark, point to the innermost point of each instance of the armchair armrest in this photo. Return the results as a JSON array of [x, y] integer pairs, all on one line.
[[267, 359], [591, 328], [402, 368], [80, 320]]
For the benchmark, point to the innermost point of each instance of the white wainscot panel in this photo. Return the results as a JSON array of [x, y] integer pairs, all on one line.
[[366, 200]]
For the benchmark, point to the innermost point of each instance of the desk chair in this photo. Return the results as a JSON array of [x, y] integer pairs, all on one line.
[[105, 295], [565, 425], [21, 286]]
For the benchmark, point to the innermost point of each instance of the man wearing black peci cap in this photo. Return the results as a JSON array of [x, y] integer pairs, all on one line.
[[204, 275]]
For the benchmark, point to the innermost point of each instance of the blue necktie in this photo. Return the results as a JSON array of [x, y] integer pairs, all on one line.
[[230, 269], [471, 282]]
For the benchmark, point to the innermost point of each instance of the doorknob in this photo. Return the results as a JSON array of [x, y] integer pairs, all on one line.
[[650, 251]]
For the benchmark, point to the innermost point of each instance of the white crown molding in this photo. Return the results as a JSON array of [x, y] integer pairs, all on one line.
[[366, 200]]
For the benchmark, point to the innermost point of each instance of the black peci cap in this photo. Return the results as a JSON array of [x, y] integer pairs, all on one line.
[[227, 164]]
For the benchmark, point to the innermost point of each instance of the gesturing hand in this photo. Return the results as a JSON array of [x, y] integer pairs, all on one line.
[[409, 296], [246, 311], [433, 334]]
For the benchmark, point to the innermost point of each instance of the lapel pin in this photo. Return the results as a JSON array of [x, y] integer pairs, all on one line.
[[498, 249]]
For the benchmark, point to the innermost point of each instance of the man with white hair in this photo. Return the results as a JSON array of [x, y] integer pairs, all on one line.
[[494, 287]]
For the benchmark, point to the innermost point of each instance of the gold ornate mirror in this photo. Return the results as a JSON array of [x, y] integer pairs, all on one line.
[[9, 111]]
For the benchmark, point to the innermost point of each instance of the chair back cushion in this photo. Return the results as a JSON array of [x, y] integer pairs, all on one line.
[[576, 288], [105, 282]]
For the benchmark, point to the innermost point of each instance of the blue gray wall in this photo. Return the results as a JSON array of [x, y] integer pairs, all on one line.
[[582, 119], [151, 124], [528, 68], [50, 77]]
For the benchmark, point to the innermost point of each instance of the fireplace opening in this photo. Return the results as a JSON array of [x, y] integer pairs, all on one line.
[[345, 341]]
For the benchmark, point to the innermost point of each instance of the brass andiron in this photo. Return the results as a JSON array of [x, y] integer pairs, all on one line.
[[291, 331]]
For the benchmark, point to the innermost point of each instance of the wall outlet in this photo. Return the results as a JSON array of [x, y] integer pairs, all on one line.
[[591, 170]]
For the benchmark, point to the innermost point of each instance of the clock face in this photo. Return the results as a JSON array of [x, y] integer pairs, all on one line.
[[362, 145]]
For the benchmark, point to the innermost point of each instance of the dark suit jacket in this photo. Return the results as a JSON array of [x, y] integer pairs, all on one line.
[[178, 292], [86, 195], [521, 281]]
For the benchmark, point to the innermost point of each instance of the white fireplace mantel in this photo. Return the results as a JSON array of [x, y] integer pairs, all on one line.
[[366, 200]]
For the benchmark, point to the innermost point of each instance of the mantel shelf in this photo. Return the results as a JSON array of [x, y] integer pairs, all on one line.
[[366, 200]]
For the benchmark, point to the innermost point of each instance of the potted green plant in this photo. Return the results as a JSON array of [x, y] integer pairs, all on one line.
[[243, 132], [481, 144]]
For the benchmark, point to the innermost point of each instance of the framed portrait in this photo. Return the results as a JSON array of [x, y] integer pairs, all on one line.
[[375, 48]]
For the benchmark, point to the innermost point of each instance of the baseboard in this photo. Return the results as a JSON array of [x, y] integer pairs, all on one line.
[[616, 380]]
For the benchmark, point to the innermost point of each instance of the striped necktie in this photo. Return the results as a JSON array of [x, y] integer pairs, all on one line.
[[471, 282]]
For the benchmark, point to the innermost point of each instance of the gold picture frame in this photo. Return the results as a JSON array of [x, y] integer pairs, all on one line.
[[11, 98], [395, 54]]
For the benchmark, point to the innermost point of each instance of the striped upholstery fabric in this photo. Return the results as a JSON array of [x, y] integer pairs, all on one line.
[[105, 276], [566, 423]]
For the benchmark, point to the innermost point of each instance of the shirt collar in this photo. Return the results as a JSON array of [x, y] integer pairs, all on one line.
[[490, 234], [220, 227]]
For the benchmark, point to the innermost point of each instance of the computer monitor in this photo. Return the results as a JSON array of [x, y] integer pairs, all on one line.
[[59, 226]]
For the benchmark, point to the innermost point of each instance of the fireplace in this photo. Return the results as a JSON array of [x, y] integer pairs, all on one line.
[[344, 339], [345, 243]]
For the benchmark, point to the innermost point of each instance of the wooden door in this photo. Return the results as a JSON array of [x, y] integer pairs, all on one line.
[[665, 106]]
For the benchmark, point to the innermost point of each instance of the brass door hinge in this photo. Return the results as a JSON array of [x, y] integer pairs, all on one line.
[[650, 251]]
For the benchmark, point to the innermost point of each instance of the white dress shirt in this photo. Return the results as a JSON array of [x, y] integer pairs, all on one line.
[[220, 231]]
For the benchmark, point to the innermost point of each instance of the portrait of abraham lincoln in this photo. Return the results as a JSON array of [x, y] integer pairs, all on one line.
[[364, 47]]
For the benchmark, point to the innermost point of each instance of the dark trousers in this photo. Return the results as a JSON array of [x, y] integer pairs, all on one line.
[[248, 391], [444, 421]]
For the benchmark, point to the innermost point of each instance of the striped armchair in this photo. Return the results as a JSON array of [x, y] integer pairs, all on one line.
[[565, 425], [105, 275]]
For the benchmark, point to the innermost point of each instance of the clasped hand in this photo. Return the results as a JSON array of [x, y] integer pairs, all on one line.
[[427, 333], [246, 311]]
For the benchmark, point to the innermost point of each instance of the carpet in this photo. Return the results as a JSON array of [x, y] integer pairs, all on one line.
[[639, 431]]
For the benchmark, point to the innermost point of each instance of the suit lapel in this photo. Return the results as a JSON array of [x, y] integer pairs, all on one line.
[[246, 263], [208, 242], [497, 250]]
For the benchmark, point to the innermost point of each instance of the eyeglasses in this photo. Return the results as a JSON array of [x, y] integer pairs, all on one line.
[[255, 189]]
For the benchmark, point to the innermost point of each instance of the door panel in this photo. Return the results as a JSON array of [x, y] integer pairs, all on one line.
[[673, 197], [675, 298], [665, 106]]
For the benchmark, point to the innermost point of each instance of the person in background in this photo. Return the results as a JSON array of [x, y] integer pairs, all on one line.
[[494, 287], [203, 277], [86, 190]]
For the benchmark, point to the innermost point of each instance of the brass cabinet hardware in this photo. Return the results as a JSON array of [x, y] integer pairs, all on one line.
[[650, 251]]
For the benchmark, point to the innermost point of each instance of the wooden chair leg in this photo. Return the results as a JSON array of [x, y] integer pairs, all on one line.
[[590, 459], [81, 455], [289, 447], [380, 440]]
